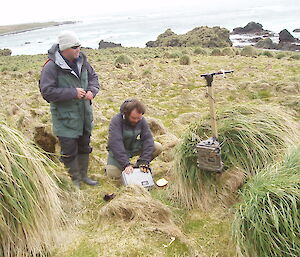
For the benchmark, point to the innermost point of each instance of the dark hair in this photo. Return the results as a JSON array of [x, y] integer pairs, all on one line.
[[132, 104]]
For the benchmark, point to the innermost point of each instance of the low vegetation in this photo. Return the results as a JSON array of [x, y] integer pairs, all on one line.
[[174, 94]]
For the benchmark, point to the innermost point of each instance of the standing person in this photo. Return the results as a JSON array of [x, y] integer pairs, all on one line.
[[69, 84], [130, 135]]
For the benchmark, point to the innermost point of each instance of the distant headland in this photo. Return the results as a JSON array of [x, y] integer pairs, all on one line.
[[20, 28]]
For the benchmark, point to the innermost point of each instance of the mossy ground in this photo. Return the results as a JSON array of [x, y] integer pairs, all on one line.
[[170, 91]]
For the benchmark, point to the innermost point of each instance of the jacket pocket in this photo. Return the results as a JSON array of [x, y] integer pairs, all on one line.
[[69, 119]]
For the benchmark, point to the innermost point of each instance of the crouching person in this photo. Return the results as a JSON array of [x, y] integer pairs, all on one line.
[[130, 135]]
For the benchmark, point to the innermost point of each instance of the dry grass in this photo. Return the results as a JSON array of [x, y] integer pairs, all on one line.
[[133, 205], [31, 213]]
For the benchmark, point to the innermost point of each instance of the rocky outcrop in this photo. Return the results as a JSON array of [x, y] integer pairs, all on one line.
[[5, 52], [266, 43], [103, 45], [288, 42], [251, 28], [296, 30], [201, 36], [286, 36]]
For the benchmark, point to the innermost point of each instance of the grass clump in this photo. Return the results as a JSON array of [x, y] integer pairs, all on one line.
[[30, 212], [295, 57], [173, 55], [185, 60], [123, 59], [200, 51], [228, 51], [280, 56], [134, 204], [266, 53], [267, 220], [249, 51], [216, 52], [251, 136]]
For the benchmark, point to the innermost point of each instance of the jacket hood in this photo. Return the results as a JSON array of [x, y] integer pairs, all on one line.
[[55, 56]]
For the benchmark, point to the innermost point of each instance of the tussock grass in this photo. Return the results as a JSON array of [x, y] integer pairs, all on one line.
[[248, 51], [123, 59], [252, 135], [216, 52], [200, 51], [30, 212], [228, 51], [267, 221], [133, 205], [185, 60]]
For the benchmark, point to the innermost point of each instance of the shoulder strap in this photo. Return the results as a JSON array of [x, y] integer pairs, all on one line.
[[46, 62]]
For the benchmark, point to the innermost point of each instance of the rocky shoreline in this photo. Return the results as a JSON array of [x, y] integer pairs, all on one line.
[[207, 37], [254, 34]]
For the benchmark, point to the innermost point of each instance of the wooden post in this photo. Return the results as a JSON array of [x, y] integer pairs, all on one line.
[[212, 110]]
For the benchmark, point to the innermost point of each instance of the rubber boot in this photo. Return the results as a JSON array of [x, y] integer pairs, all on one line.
[[74, 172], [83, 161]]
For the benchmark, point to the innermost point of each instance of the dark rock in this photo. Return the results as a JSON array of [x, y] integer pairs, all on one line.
[[200, 36], [288, 46], [251, 28], [266, 43], [296, 30], [151, 44], [27, 43], [255, 39], [103, 44], [286, 36]]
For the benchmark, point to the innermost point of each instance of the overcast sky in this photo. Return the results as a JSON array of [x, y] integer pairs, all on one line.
[[16, 11]]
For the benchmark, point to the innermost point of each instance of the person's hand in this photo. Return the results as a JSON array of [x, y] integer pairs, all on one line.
[[89, 95], [80, 93], [128, 169], [145, 168]]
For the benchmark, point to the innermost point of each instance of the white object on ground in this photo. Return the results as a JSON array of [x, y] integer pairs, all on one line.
[[162, 182]]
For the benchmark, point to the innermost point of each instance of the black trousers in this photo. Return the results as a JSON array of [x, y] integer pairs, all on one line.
[[70, 147]]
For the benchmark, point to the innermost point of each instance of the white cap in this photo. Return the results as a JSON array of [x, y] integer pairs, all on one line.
[[67, 39]]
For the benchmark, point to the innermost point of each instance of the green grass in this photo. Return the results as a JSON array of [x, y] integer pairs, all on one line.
[[249, 51], [251, 137], [267, 220], [169, 91], [185, 60], [123, 59]]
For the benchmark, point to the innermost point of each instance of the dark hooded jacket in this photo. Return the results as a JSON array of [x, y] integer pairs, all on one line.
[[58, 85], [126, 140]]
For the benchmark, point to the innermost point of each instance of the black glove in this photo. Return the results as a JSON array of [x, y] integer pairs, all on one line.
[[143, 165]]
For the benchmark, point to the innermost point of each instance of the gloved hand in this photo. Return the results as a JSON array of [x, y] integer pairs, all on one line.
[[143, 165], [145, 168]]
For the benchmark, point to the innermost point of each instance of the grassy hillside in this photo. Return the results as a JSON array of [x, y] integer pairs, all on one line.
[[175, 96]]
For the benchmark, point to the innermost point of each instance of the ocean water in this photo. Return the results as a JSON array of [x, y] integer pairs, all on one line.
[[135, 29]]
